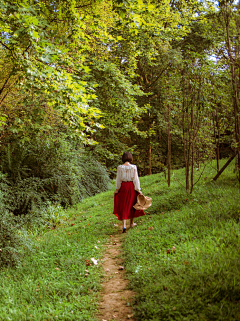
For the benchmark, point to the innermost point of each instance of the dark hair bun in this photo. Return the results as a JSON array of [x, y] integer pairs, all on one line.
[[127, 157]]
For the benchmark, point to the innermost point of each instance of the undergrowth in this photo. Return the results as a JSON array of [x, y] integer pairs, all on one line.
[[46, 169]]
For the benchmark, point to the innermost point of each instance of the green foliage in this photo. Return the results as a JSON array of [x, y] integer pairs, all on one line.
[[14, 242], [117, 102], [109, 72], [36, 43], [46, 169]]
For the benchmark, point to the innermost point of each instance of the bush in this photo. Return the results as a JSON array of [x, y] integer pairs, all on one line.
[[12, 237], [49, 169]]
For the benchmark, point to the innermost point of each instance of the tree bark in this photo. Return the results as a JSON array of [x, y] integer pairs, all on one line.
[[150, 148], [224, 167], [150, 159], [169, 147], [235, 87], [185, 142], [216, 132]]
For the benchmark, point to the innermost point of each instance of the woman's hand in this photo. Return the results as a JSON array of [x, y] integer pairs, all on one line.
[[116, 191]]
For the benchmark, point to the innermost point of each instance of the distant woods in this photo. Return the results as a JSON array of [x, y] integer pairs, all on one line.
[[83, 81]]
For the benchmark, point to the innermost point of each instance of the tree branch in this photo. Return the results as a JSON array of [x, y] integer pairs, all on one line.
[[157, 77], [200, 175], [3, 44], [5, 83]]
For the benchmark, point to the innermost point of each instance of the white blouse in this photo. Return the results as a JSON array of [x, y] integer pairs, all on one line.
[[127, 174]]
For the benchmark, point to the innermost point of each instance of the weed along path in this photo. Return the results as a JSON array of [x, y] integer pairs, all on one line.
[[115, 297]]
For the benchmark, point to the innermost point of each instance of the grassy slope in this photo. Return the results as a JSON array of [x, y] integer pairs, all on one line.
[[199, 282], [51, 284]]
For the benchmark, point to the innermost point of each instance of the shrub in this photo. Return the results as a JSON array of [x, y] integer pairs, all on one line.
[[12, 237], [50, 169]]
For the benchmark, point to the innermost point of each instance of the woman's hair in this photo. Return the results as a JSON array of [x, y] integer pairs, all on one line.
[[127, 157]]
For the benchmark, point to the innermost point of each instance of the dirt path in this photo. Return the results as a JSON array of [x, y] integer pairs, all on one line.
[[115, 300]]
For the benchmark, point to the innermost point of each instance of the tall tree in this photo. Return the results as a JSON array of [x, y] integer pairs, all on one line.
[[229, 50]]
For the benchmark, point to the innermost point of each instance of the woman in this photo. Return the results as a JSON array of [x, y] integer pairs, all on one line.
[[127, 190]]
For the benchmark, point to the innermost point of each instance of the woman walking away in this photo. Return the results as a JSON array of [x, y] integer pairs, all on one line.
[[127, 190]]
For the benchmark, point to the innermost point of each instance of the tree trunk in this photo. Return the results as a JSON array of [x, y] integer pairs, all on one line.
[[169, 148], [224, 167], [150, 148], [192, 168], [185, 142], [233, 67], [150, 159], [216, 130]]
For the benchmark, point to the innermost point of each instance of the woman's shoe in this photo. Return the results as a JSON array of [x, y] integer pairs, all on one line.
[[124, 230]]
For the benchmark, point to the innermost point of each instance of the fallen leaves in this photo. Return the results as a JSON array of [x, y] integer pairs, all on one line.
[[150, 228], [121, 267]]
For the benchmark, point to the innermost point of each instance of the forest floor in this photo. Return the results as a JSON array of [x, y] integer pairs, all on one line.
[[181, 261]]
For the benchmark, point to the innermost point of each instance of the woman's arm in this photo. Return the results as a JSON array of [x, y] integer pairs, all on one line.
[[118, 180], [136, 181]]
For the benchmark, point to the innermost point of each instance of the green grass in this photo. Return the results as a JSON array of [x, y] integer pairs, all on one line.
[[51, 283], [200, 281]]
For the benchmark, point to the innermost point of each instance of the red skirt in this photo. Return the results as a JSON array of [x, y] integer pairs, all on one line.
[[124, 201]]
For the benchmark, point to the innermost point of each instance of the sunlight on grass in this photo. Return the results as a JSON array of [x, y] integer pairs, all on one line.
[[51, 283], [198, 281]]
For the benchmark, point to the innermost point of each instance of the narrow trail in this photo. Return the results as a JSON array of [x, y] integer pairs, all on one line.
[[115, 297]]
